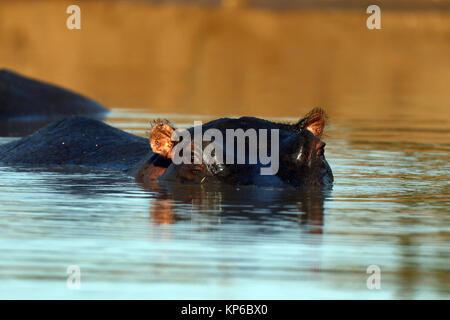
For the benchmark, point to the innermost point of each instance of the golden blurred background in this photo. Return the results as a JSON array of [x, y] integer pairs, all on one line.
[[260, 58]]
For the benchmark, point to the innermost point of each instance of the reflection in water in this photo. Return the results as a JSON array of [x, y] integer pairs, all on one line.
[[225, 204]]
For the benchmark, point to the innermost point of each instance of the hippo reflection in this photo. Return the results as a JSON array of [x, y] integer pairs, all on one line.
[[224, 203], [89, 143]]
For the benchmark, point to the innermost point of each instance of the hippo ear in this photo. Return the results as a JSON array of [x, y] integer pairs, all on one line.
[[160, 137], [314, 121]]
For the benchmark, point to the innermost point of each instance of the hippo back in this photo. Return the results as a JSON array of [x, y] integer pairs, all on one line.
[[22, 98], [77, 141]]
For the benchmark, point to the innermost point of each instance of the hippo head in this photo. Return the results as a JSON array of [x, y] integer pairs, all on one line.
[[245, 151]]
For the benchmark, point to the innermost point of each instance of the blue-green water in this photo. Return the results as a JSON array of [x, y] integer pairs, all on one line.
[[388, 207]]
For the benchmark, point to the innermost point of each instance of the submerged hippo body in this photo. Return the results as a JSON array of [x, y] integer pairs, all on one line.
[[77, 141], [90, 143], [25, 98], [27, 104]]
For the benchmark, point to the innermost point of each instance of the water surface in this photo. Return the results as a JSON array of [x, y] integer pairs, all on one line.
[[388, 207]]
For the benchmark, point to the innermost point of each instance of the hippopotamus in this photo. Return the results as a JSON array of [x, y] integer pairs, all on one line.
[[28, 104], [90, 143]]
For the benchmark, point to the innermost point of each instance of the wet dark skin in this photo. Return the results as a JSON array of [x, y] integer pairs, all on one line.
[[301, 155], [92, 144]]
